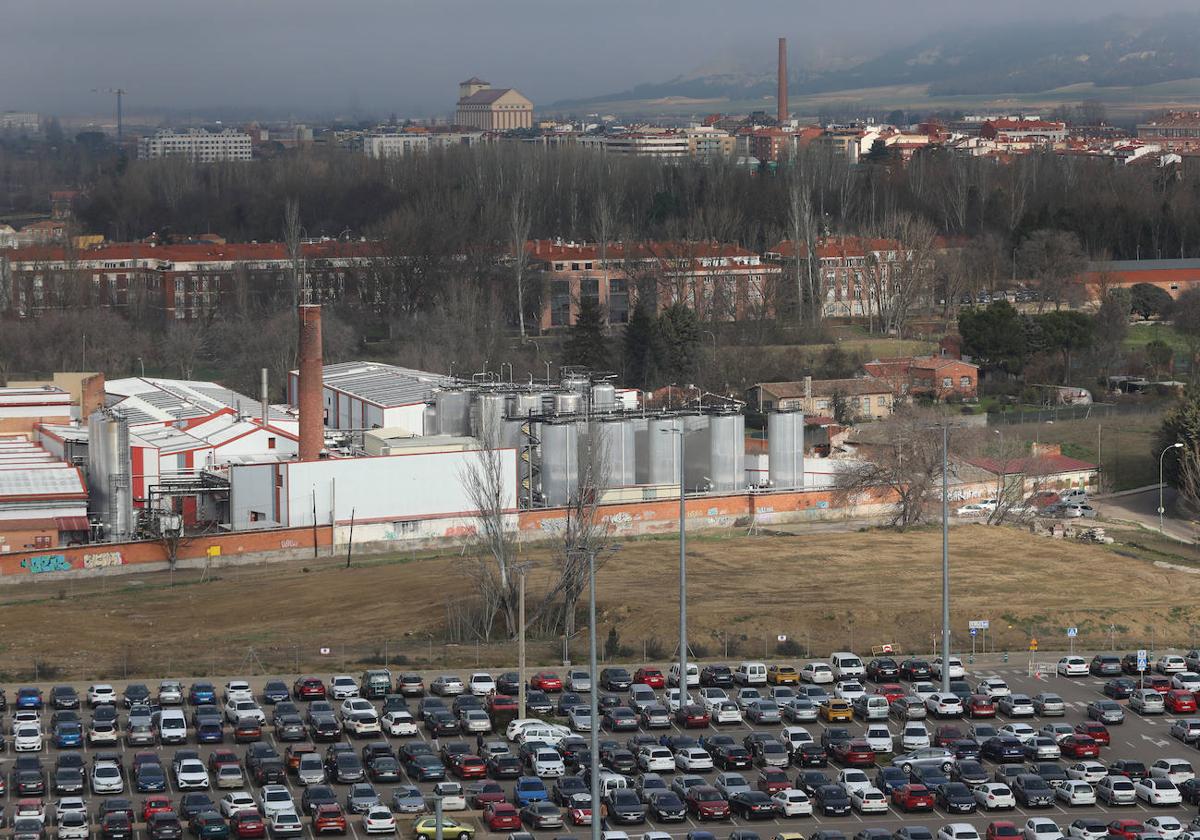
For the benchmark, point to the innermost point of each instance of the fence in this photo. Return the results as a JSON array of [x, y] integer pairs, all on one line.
[[1095, 411]]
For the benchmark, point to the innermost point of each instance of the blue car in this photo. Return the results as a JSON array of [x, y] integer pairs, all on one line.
[[201, 693], [530, 789], [151, 778], [68, 734], [276, 692], [29, 698], [210, 733]]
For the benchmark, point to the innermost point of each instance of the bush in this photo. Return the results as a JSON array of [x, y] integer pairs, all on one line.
[[655, 650], [789, 647]]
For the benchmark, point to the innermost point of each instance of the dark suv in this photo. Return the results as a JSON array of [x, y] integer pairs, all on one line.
[[615, 679]]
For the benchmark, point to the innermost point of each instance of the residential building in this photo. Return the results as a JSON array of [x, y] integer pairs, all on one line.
[[196, 144], [661, 145], [862, 399], [934, 377], [1176, 131], [1045, 468], [8, 236], [855, 272], [394, 145], [1034, 130], [491, 109], [19, 121]]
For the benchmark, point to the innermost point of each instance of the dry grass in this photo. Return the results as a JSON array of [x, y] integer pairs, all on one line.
[[823, 590]]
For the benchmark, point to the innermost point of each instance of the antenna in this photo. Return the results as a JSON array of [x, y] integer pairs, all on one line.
[[118, 92]]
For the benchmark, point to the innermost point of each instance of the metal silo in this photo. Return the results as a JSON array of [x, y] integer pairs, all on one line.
[[785, 448], [615, 452], [576, 383], [727, 452], [560, 462], [568, 402], [487, 419], [697, 467], [524, 404], [604, 397], [110, 485], [429, 422], [662, 450], [641, 440], [454, 412]]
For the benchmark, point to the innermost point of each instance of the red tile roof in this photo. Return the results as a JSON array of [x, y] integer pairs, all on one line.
[[549, 250], [197, 252], [1032, 465]]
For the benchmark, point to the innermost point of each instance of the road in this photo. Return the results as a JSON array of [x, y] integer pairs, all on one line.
[[1142, 508]]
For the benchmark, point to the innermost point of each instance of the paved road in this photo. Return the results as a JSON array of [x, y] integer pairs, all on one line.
[[1142, 508]]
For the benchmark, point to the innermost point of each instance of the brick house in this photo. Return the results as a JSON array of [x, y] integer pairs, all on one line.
[[936, 377], [866, 398]]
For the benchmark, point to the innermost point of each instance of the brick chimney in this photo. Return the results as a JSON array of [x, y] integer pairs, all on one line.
[[312, 411], [808, 387], [782, 92]]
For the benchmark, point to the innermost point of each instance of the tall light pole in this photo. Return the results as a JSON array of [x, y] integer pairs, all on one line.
[[593, 702], [945, 565], [682, 568], [1162, 455]]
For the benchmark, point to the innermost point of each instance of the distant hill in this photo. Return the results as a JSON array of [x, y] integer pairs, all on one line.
[[1114, 51]]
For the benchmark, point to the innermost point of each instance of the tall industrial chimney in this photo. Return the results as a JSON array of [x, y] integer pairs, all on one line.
[[312, 412], [782, 101]]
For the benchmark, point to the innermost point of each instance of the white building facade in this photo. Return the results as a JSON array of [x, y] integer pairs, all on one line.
[[197, 145]]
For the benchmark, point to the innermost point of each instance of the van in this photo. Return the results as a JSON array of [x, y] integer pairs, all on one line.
[[610, 781], [871, 707], [750, 673], [693, 674], [847, 665], [376, 683], [170, 726], [1073, 494]]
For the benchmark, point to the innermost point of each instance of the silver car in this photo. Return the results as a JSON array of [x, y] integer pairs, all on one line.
[[578, 681], [311, 770], [934, 757], [1049, 704], [408, 799], [763, 711]]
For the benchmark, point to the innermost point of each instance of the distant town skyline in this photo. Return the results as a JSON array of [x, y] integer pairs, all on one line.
[[408, 57]]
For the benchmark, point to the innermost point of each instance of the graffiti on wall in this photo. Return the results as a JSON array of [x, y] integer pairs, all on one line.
[[103, 560], [46, 563]]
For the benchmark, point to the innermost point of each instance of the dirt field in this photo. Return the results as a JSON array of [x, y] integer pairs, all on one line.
[[823, 591]]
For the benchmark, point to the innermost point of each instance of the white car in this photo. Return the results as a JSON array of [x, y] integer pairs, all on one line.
[[818, 673], [235, 801], [1087, 771], [656, 760], [944, 704], [914, 737], [548, 764], [1169, 827], [453, 798], [956, 669], [711, 696], [792, 803], [992, 796], [993, 687], [190, 774], [691, 759], [579, 718], [101, 694], [973, 509], [398, 723], [353, 705], [794, 737], [238, 690], [235, 710], [1170, 663], [923, 689], [106, 778], [849, 690], [481, 684], [1072, 666], [1022, 731], [1115, 790], [1040, 828], [362, 724], [1157, 792], [72, 826], [869, 800], [1075, 792], [71, 805], [1187, 680], [284, 824], [726, 712], [1175, 770], [958, 831], [276, 799], [673, 698], [27, 738], [170, 693], [879, 737], [379, 820], [1057, 731], [342, 686], [1147, 701], [851, 779]]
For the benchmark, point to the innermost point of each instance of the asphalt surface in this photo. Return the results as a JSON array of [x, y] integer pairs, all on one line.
[[1142, 738]]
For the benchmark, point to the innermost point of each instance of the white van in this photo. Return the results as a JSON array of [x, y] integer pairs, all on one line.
[[171, 726], [846, 665], [750, 673], [693, 677], [1072, 494], [871, 707], [610, 781]]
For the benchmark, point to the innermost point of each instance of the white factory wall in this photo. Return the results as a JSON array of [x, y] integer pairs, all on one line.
[[410, 417], [252, 489], [256, 442]]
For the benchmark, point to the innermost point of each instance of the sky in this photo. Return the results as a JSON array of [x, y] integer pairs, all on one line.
[[407, 56]]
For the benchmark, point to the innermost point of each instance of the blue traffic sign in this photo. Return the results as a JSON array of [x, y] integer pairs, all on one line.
[[1072, 632], [974, 632]]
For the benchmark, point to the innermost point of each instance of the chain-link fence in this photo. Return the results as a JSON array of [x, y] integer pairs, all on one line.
[[1057, 414]]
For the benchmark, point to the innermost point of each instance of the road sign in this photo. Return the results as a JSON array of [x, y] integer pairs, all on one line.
[[1033, 644], [781, 637], [978, 624], [325, 651], [974, 631], [1072, 632], [1141, 665]]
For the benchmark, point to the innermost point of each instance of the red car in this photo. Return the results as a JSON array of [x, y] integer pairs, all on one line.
[[692, 716], [891, 691], [772, 780], [546, 681], [501, 703], [854, 753], [651, 677], [912, 797], [502, 816], [1160, 684], [981, 706], [329, 818], [467, 766], [247, 824], [308, 688], [1002, 830], [1126, 829], [1095, 730], [1180, 701], [1079, 746], [247, 731], [155, 805], [580, 815], [707, 803], [946, 735]]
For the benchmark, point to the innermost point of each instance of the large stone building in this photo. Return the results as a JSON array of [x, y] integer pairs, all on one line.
[[491, 109], [197, 145]]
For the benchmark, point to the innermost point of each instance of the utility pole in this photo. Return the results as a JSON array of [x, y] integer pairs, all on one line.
[[683, 699], [945, 564], [593, 701], [521, 651], [118, 92]]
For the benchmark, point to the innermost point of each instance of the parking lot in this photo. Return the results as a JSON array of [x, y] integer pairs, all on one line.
[[1141, 738]]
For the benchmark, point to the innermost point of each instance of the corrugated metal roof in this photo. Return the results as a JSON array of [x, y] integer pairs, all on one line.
[[383, 384], [46, 481]]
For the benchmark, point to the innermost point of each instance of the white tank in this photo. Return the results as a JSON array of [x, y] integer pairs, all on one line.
[[524, 404], [487, 419], [604, 397], [662, 450], [568, 402], [560, 462], [616, 450], [454, 412], [578, 384], [727, 452], [785, 449]]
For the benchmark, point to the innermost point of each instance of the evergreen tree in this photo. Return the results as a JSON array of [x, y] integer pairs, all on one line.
[[679, 338], [994, 336], [586, 343], [641, 347]]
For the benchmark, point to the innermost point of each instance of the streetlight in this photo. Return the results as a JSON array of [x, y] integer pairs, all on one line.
[[1161, 509], [593, 702], [945, 565], [683, 698]]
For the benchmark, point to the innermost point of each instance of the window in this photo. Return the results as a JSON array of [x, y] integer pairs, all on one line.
[[964, 382], [822, 405], [41, 542], [881, 402], [270, 443], [618, 301], [866, 404], [560, 303], [405, 526], [947, 382]]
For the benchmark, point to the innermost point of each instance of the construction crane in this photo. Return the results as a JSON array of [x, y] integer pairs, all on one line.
[[118, 92]]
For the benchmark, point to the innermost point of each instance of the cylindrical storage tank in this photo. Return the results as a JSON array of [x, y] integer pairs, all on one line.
[[697, 465], [727, 452], [604, 397], [785, 448], [487, 418], [525, 404], [615, 453], [560, 463], [429, 422], [662, 450], [578, 384], [568, 402], [454, 412], [641, 439]]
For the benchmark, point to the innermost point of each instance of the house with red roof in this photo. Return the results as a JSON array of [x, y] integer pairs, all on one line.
[[1044, 468], [934, 377]]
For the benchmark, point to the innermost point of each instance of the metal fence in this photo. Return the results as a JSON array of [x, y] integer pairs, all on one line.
[[1095, 411]]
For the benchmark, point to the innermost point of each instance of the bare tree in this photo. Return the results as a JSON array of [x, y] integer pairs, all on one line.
[[291, 238], [802, 230], [492, 564], [1054, 258], [182, 345]]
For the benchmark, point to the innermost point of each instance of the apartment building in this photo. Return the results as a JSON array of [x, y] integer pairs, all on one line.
[[196, 144]]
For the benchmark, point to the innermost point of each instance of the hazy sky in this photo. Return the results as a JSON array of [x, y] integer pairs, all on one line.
[[408, 55]]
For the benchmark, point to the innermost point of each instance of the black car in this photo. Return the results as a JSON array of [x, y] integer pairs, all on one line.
[[619, 761], [955, 798], [538, 702], [150, 778], [1105, 665], [810, 781], [716, 676], [1133, 770], [191, 804], [615, 679], [624, 807], [29, 782], [426, 768], [315, 796], [831, 800], [1129, 664], [834, 735], [1189, 789], [732, 757], [68, 780], [566, 787], [620, 719], [541, 815], [347, 769], [970, 773], [889, 778], [753, 805], [326, 728], [1051, 772], [509, 683], [965, 748], [384, 768], [668, 807], [502, 767], [1032, 791], [394, 703], [290, 728], [1121, 688], [915, 669], [810, 754], [567, 701], [440, 723], [64, 697], [164, 825], [882, 668], [136, 694], [270, 772], [116, 827], [1003, 750]]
